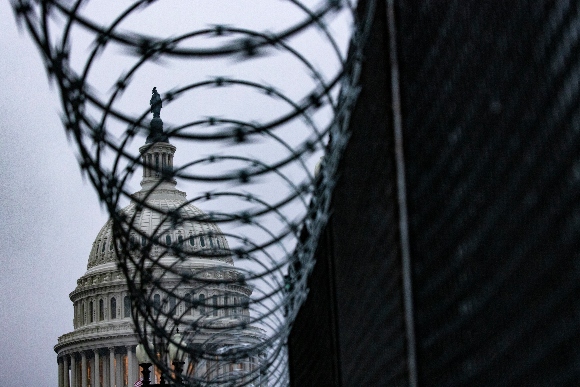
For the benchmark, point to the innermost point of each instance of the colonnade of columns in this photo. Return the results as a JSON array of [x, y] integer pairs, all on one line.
[[118, 367], [157, 162], [102, 367]]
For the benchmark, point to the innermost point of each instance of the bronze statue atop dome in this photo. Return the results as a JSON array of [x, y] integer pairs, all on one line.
[[156, 133], [155, 103]]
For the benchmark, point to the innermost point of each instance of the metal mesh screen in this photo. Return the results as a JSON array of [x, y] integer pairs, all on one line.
[[490, 100], [489, 123]]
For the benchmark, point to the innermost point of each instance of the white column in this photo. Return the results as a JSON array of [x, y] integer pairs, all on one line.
[[60, 372], [119, 370], [130, 365], [73, 370], [137, 367], [105, 372], [65, 368], [83, 369], [111, 367], [97, 370]]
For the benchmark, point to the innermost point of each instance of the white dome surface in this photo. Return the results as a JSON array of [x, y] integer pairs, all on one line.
[[192, 235]]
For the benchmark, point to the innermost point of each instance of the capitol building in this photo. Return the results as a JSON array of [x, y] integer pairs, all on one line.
[[101, 349]]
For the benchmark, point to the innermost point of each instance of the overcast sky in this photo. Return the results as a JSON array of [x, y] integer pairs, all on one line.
[[49, 216]]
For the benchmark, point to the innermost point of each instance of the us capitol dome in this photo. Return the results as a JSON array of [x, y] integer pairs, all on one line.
[[100, 351]]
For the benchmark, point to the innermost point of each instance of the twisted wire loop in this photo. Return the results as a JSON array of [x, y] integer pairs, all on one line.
[[248, 144]]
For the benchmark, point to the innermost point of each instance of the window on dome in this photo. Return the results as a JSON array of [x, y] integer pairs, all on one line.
[[172, 308], [188, 307], [201, 241], [211, 242], [156, 303], [218, 243], [101, 310], [168, 240], [179, 239], [113, 308], [111, 245], [191, 241], [214, 302], [226, 302], [103, 246], [91, 311], [202, 304], [143, 240], [127, 306], [132, 241]]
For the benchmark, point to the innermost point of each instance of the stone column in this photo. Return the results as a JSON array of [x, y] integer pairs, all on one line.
[[130, 365], [97, 370], [105, 372], [65, 369], [60, 371], [73, 370], [83, 369], [119, 370], [149, 165], [111, 366], [136, 368]]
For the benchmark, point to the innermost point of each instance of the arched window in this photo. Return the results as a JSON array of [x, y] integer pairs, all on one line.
[[191, 241], [113, 308], [188, 306], [127, 306], [83, 314], [214, 303], [101, 310], [168, 240], [226, 302], [201, 241], [179, 239], [202, 304], [143, 240], [103, 246], [156, 303], [172, 304], [218, 243], [211, 242], [132, 241], [91, 309]]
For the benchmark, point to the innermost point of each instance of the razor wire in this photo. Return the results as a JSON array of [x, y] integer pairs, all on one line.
[[251, 165]]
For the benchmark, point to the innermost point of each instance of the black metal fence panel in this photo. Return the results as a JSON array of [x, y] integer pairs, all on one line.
[[489, 105]]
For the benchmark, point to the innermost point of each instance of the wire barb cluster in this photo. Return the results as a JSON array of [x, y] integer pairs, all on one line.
[[230, 278]]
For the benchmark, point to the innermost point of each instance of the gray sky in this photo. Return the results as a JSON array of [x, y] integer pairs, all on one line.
[[49, 216]]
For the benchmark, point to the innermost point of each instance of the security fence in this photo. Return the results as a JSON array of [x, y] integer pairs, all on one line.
[[451, 254]]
